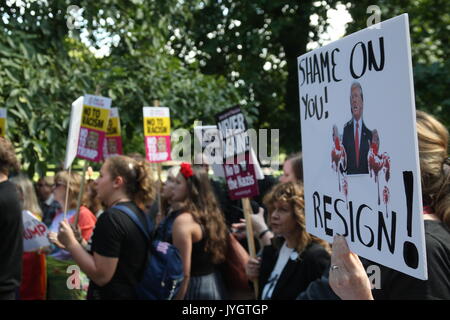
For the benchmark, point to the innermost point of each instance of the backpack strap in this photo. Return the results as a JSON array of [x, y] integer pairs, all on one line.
[[146, 231], [167, 224]]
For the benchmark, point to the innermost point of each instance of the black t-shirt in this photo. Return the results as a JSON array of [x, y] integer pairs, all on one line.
[[11, 237], [396, 285], [117, 236]]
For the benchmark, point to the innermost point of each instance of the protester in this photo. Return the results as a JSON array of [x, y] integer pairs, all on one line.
[[293, 169], [292, 172], [86, 219], [199, 232], [11, 225], [166, 195], [93, 202], [34, 272], [60, 259], [347, 275], [47, 202], [118, 247], [295, 258]]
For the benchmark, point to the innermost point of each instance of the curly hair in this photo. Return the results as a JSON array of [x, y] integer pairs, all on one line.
[[138, 176], [434, 164], [291, 194], [8, 159], [202, 204]]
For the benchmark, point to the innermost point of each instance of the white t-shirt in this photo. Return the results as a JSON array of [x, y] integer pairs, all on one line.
[[283, 258]]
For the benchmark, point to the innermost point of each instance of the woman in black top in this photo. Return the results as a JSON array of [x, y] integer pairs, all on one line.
[[295, 258], [199, 232], [118, 247], [349, 280], [11, 227]]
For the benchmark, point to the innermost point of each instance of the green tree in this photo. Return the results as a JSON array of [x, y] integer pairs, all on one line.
[[46, 66], [254, 44], [429, 28]]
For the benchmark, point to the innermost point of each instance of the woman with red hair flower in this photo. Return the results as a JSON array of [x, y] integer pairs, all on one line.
[[196, 226]]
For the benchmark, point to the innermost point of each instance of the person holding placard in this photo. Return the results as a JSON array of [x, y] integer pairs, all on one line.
[[118, 248], [356, 138], [34, 273], [86, 219], [60, 258], [11, 225], [200, 234], [295, 258], [348, 277]]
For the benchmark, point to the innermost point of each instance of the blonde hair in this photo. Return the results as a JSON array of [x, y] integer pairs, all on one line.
[[74, 187], [291, 194], [434, 164], [30, 201], [139, 184]]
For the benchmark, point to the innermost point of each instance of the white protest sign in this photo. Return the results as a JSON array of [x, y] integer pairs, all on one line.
[[34, 233], [211, 148], [360, 88], [74, 131]]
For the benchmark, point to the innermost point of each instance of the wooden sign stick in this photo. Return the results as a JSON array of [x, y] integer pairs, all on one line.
[[80, 195], [83, 178], [156, 103], [250, 239], [67, 193]]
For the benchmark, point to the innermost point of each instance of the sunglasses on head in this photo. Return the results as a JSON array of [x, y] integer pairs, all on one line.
[[58, 184]]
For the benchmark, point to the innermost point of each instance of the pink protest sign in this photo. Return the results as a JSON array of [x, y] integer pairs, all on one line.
[[94, 122], [157, 133]]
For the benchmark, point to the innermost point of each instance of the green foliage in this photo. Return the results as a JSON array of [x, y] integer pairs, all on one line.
[[255, 45], [45, 67], [429, 28], [197, 57]]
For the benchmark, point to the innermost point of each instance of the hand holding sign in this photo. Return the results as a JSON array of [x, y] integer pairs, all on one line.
[[348, 278]]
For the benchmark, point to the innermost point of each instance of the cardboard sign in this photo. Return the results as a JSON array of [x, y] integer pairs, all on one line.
[[208, 138], [157, 133], [2, 122], [35, 233], [113, 141], [360, 148], [210, 147], [94, 122], [236, 148]]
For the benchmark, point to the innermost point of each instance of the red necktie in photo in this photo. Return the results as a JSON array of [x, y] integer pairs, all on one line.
[[357, 144]]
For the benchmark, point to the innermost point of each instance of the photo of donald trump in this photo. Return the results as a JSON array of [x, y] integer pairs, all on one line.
[[356, 137]]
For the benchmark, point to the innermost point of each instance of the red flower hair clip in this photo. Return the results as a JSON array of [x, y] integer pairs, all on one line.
[[186, 170]]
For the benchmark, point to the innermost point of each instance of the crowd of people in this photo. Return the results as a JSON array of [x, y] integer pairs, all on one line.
[[195, 215]]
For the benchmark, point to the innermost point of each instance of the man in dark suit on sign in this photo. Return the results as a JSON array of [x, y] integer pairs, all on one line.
[[356, 137]]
